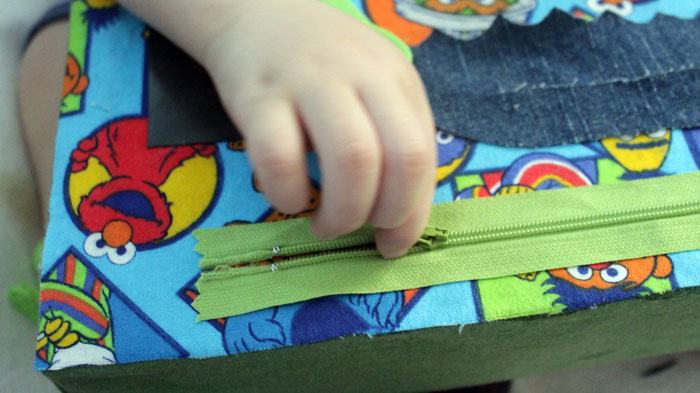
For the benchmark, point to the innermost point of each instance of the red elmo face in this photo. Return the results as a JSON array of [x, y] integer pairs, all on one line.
[[129, 209]]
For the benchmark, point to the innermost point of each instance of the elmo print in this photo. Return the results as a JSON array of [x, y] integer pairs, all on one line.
[[126, 196]]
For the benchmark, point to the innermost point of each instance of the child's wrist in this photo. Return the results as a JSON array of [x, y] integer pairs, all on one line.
[[192, 25]]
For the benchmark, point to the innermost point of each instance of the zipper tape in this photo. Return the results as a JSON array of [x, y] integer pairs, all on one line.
[[465, 240]]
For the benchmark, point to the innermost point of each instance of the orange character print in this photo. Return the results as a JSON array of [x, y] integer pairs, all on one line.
[[588, 285], [74, 82]]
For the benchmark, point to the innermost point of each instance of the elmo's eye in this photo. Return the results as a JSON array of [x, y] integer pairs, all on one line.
[[614, 273], [444, 138], [122, 255], [658, 134], [582, 273], [94, 246]]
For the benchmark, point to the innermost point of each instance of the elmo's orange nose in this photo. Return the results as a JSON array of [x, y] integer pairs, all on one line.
[[117, 233]]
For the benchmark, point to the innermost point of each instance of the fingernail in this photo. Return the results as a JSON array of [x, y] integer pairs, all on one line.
[[392, 254]]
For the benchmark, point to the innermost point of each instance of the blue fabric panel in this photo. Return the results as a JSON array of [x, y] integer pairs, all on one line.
[[591, 79]]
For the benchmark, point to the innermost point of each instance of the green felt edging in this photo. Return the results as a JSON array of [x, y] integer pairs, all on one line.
[[423, 360], [481, 238]]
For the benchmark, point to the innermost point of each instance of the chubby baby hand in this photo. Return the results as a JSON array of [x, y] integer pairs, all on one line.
[[300, 74], [295, 73]]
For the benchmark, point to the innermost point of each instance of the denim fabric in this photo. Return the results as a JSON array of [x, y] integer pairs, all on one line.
[[564, 80]]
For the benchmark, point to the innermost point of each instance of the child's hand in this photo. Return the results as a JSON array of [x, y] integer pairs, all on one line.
[[293, 72]]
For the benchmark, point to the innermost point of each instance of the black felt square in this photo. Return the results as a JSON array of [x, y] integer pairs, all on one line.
[[183, 106]]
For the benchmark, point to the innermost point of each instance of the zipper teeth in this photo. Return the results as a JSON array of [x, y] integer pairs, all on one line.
[[228, 271], [259, 255], [328, 246], [581, 222], [473, 236]]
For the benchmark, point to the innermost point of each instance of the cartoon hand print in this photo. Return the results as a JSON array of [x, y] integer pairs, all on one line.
[[68, 350], [380, 309], [256, 330], [58, 332]]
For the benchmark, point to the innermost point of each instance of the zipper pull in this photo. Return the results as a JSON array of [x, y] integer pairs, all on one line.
[[433, 238]]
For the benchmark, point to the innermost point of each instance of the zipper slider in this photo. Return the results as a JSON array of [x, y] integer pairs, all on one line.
[[433, 238]]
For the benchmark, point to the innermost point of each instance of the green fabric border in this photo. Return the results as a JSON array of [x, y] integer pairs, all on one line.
[[487, 238], [423, 360], [77, 46]]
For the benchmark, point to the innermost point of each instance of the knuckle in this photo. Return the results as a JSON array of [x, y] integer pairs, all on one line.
[[273, 162], [357, 158], [391, 213], [245, 104], [413, 159]]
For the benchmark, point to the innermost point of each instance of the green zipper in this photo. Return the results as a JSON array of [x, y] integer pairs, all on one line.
[[465, 240]]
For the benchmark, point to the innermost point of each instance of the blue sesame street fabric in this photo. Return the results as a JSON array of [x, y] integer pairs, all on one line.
[[597, 80], [119, 264]]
